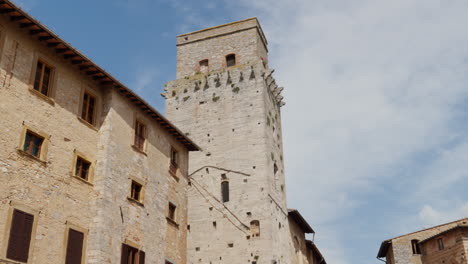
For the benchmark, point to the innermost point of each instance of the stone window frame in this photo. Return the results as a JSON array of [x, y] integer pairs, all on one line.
[[52, 89], [44, 147], [97, 107], [70, 225], [173, 220], [174, 167], [9, 221], [140, 182], [134, 245], [235, 59], [77, 154], [138, 119], [207, 65]]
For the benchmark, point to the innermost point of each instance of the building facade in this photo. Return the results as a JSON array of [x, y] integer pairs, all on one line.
[[89, 172], [450, 246], [418, 247], [226, 99]]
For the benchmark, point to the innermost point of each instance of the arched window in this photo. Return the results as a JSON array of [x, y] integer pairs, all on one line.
[[230, 60], [204, 66], [225, 191], [255, 228]]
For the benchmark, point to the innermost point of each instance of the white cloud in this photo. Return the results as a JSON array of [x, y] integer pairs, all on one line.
[[430, 216], [145, 79], [375, 91]]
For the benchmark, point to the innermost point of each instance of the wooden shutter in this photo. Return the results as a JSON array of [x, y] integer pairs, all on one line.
[[125, 254], [142, 257], [20, 236], [74, 247]]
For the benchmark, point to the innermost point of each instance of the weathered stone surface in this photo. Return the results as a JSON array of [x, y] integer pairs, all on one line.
[[234, 115]]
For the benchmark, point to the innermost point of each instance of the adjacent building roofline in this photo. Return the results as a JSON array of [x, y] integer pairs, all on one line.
[[386, 243], [297, 217], [462, 225], [84, 64], [311, 245]]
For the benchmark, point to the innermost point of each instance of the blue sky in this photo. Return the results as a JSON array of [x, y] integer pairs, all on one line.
[[375, 130]]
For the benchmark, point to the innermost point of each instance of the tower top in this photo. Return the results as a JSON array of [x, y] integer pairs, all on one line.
[[216, 48], [216, 31]]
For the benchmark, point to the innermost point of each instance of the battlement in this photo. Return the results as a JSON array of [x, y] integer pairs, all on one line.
[[217, 48]]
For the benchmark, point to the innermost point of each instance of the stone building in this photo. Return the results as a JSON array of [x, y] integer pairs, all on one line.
[[449, 246], [226, 98], [90, 173], [419, 247]]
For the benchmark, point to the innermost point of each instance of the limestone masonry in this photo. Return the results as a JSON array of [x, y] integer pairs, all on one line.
[[91, 173]]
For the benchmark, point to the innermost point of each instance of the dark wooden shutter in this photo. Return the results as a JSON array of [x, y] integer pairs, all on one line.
[[125, 254], [225, 191], [20, 236], [74, 247], [142, 257]]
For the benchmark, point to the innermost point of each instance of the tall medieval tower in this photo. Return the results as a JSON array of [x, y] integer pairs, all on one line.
[[227, 101]]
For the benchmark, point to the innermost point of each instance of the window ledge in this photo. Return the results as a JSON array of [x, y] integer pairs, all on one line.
[[174, 175], [42, 96], [24, 153], [172, 222], [135, 202], [139, 150], [7, 261], [82, 180], [87, 124]]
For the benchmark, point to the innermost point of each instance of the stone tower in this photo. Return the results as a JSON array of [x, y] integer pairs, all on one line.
[[226, 99]]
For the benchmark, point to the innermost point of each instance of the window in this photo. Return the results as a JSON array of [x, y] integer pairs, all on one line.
[[135, 192], [203, 66], [174, 158], [75, 241], [89, 108], [255, 228], [131, 255], [33, 144], [140, 135], [415, 246], [20, 236], [82, 168], [230, 60], [171, 212], [225, 191], [440, 243], [43, 78]]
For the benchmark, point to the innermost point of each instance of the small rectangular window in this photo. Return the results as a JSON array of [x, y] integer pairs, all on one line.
[[174, 158], [43, 78], [82, 168], [171, 213], [135, 192], [225, 191], [440, 243], [89, 108], [20, 236], [33, 144], [75, 241], [140, 135], [415, 246], [131, 255], [230, 60]]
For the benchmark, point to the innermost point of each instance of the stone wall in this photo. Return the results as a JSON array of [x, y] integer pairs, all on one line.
[[401, 246], [47, 189], [234, 115], [455, 249]]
